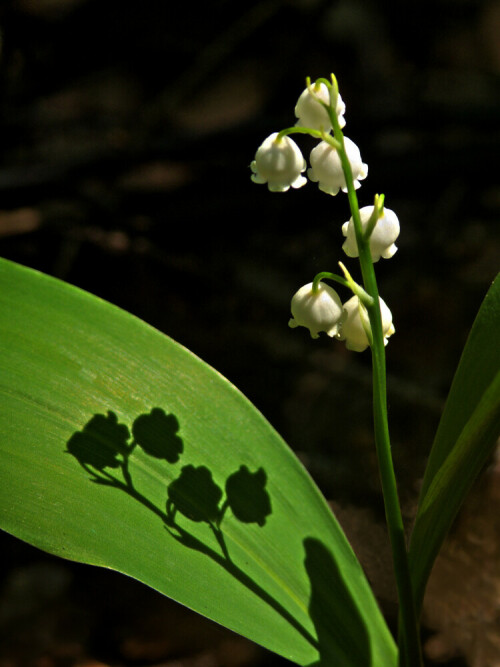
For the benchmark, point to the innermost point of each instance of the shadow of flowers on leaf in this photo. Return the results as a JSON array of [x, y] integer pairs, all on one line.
[[100, 442], [104, 448], [247, 496], [195, 495], [156, 433], [105, 443]]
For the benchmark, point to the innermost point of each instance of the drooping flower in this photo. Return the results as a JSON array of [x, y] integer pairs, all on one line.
[[357, 323], [385, 232], [319, 310], [279, 163], [311, 113], [326, 168]]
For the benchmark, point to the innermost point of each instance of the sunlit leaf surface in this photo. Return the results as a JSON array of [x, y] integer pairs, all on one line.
[[122, 449]]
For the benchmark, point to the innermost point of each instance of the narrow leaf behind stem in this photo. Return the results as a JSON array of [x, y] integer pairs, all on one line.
[[466, 436]]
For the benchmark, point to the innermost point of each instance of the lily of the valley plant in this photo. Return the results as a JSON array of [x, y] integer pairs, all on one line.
[[121, 448], [364, 319]]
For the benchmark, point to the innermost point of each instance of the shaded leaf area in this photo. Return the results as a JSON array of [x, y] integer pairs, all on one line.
[[327, 584], [247, 497], [465, 440], [195, 495], [100, 442], [145, 431]]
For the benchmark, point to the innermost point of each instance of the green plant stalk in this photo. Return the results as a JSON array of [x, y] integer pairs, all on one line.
[[410, 652], [345, 282]]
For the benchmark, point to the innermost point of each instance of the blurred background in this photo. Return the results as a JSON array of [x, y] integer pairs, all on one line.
[[126, 134]]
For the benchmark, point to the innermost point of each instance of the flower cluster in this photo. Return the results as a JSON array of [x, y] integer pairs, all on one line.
[[322, 310], [279, 161], [335, 163]]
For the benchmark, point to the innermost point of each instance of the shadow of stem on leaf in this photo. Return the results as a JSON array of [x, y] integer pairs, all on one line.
[[104, 443]]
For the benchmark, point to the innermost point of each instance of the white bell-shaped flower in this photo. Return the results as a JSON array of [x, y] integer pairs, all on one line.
[[279, 163], [382, 238], [357, 323], [311, 113], [326, 168], [317, 311]]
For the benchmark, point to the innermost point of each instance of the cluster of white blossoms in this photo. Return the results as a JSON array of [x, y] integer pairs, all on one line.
[[322, 310], [280, 163]]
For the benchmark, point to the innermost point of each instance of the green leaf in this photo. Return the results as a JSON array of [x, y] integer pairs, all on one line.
[[122, 449], [465, 439]]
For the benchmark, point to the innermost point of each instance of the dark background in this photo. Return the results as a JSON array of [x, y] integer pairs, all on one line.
[[126, 131]]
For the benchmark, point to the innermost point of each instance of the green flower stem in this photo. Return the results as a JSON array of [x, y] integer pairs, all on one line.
[[410, 651], [348, 282], [330, 276], [362, 294], [317, 134]]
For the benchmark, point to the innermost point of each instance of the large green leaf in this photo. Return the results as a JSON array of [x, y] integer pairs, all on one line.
[[466, 436], [122, 449]]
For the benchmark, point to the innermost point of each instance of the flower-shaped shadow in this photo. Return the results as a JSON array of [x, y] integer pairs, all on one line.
[[195, 495], [247, 497], [105, 449], [99, 444], [156, 433]]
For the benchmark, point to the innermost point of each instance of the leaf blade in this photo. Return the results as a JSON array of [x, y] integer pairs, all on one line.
[[71, 362], [464, 440]]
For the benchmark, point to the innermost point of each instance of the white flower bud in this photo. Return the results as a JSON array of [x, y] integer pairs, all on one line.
[[279, 163], [326, 168], [317, 311], [310, 113], [385, 232], [357, 323]]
